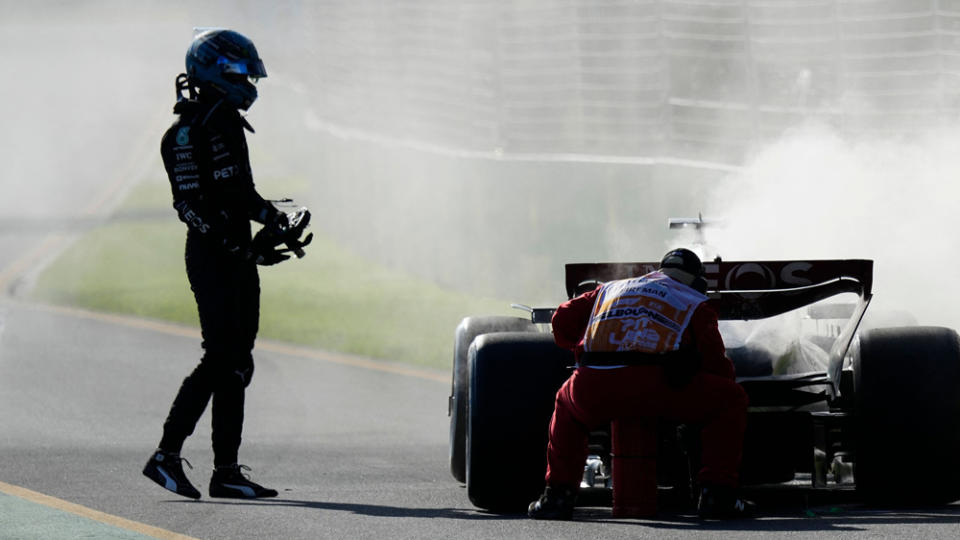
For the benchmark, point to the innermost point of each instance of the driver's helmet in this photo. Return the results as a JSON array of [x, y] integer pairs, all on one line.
[[225, 62]]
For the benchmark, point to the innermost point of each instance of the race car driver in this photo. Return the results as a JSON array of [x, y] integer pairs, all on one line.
[[648, 347], [206, 159]]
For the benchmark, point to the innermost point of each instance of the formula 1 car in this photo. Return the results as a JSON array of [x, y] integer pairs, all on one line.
[[873, 413]]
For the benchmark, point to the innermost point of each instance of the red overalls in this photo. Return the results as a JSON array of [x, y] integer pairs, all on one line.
[[591, 398]]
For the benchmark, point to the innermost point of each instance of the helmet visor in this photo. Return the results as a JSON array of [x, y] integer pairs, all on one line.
[[252, 68]]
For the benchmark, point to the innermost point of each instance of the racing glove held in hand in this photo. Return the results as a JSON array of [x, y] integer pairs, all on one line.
[[269, 258], [263, 249]]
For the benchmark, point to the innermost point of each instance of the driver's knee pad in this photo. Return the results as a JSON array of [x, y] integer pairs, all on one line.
[[232, 369], [239, 372]]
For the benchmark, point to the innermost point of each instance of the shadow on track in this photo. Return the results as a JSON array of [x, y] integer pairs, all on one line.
[[372, 510], [776, 519], [792, 519]]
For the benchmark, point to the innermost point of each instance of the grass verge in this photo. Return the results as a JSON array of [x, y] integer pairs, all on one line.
[[331, 299]]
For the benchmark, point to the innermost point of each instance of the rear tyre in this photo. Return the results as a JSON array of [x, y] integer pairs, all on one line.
[[514, 378], [907, 416], [466, 332]]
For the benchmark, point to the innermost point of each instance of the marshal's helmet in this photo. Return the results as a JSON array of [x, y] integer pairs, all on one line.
[[227, 63], [684, 266]]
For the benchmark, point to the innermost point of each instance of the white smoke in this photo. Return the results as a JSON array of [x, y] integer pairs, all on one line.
[[816, 194]]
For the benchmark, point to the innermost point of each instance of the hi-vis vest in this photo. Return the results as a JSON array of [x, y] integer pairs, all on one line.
[[646, 314]]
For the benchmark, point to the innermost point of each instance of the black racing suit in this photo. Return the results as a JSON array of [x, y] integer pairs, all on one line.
[[206, 158]]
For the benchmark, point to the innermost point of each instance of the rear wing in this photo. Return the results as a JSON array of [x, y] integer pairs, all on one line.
[[748, 289]]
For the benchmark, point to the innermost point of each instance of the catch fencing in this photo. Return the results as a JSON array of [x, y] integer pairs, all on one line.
[[627, 80]]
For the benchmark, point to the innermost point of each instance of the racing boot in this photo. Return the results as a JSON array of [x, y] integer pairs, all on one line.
[[721, 502], [229, 481], [165, 468], [555, 503]]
